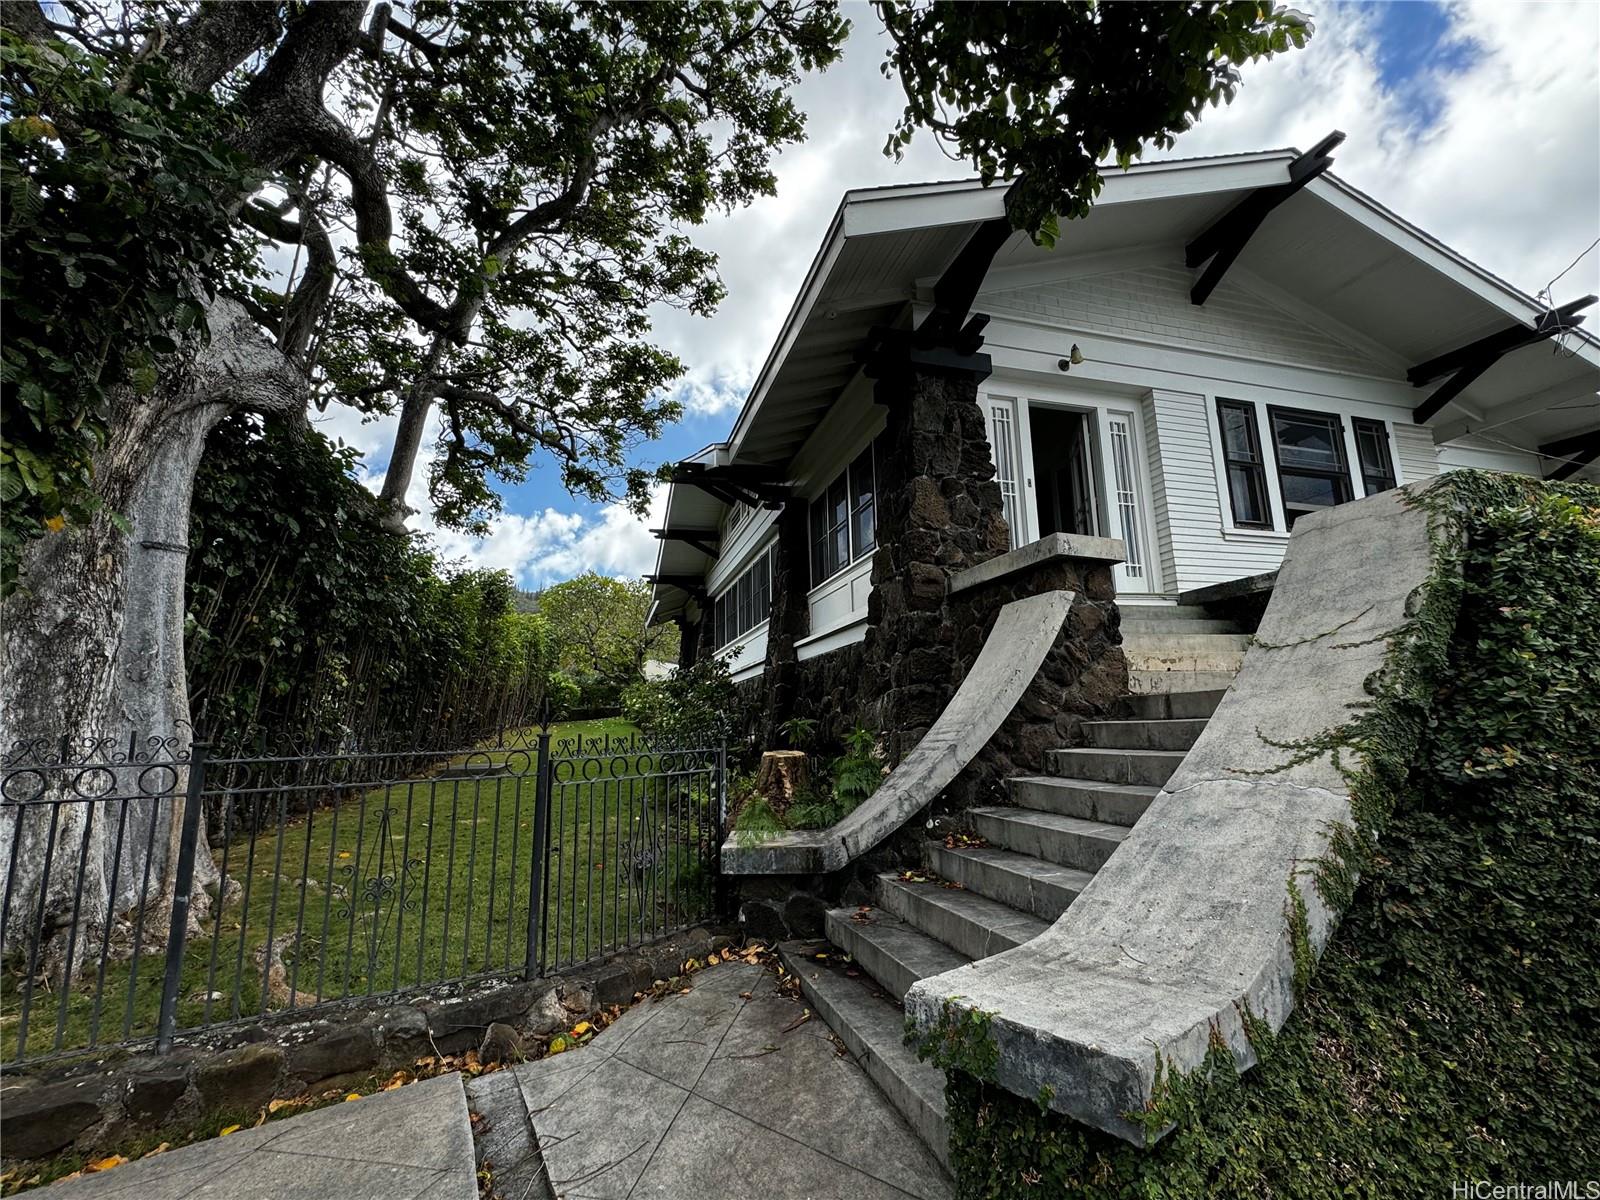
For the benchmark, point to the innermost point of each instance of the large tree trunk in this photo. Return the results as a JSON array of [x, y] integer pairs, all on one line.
[[91, 653]]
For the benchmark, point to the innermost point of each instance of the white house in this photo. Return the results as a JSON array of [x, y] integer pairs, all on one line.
[[1221, 345]]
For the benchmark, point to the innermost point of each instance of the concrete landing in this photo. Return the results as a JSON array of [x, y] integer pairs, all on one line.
[[727, 1092], [409, 1144]]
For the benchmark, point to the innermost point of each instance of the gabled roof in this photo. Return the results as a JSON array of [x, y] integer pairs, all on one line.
[[1329, 246]]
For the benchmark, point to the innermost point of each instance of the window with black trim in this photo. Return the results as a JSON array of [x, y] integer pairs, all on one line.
[[1312, 469], [1247, 471], [746, 602], [1372, 449], [844, 519]]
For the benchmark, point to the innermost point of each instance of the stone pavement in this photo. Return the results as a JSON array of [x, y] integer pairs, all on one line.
[[728, 1092], [414, 1143]]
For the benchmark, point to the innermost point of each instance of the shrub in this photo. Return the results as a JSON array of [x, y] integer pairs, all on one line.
[[693, 704]]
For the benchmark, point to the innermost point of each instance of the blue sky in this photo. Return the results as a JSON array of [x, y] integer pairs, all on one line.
[[1480, 122]]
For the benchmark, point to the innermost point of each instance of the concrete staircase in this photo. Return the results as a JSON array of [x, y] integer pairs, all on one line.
[[1180, 648], [1028, 862]]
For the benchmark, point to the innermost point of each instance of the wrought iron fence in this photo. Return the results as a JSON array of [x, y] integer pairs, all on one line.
[[153, 888]]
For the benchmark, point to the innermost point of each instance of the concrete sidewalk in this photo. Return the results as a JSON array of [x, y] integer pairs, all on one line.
[[725, 1093], [409, 1144], [730, 1090]]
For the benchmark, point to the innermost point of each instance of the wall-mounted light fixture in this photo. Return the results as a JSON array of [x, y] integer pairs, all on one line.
[[1072, 359]]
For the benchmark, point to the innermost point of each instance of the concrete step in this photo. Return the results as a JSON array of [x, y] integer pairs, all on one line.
[[1144, 683], [1023, 882], [892, 951], [872, 1027], [1066, 841], [1170, 706], [1150, 768], [1168, 612], [1161, 624], [973, 925], [1184, 651], [1142, 734], [1090, 799]]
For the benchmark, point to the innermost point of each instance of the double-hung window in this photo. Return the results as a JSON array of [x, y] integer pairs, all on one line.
[[1312, 471], [1372, 449], [844, 519], [746, 603], [1247, 471], [1309, 452]]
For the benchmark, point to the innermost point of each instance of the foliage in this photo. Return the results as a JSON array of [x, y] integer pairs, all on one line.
[[598, 634], [691, 704], [546, 163], [798, 732], [115, 226], [858, 772], [565, 695], [309, 621], [754, 818], [1049, 90], [1449, 1030], [852, 777]]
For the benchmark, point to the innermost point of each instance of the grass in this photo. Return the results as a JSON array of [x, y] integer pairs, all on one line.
[[404, 883]]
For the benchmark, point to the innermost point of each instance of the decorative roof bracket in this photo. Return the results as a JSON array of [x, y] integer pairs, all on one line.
[[1227, 236]]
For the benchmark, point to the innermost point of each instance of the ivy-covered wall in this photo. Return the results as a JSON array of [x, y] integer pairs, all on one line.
[[1451, 1030]]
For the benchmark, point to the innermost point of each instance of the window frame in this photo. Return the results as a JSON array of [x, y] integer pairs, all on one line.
[[744, 598], [1384, 471], [1247, 408], [819, 540], [1339, 476]]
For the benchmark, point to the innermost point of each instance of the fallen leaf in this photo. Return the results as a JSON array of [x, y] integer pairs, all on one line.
[[230, 1129], [352, 1096], [280, 1105], [744, 995], [105, 1164], [558, 1045], [581, 1028], [161, 1149]]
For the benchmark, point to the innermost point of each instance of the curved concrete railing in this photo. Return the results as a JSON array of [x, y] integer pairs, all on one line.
[[1186, 923], [1022, 635]]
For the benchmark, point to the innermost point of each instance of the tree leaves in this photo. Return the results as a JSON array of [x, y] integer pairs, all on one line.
[[1050, 90], [115, 216]]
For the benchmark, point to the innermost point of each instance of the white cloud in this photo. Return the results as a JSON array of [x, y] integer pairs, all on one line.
[[540, 547], [1507, 172]]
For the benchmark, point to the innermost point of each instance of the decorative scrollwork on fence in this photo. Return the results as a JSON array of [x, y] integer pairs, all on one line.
[[378, 888]]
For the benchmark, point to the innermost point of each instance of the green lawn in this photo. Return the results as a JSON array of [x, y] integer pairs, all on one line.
[[411, 882]]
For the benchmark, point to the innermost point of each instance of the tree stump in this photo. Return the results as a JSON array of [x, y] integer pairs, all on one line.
[[781, 776]]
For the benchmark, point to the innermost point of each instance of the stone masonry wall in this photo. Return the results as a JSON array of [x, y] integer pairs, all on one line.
[[91, 1105], [939, 511]]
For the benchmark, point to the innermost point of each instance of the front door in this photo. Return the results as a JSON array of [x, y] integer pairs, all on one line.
[[1086, 479]]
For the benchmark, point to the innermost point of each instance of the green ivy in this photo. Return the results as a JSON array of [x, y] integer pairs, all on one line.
[[1451, 1029], [115, 192]]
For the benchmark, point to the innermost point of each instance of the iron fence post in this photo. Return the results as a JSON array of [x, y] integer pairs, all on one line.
[[719, 884], [541, 847], [183, 882]]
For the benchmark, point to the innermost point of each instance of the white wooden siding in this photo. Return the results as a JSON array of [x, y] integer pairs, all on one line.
[[1200, 549], [1161, 515], [1152, 302], [747, 655], [1415, 456]]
